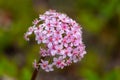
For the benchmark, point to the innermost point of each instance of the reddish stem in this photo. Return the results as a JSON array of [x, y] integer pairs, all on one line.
[[35, 72]]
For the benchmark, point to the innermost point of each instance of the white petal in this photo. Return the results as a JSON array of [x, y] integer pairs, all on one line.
[[69, 54], [53, 52], [49, 45]]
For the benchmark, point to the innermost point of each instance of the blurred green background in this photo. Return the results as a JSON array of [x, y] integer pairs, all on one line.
[[100, 20]]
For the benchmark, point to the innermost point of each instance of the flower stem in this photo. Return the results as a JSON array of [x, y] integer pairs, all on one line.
[[35, 72], [34, 75]]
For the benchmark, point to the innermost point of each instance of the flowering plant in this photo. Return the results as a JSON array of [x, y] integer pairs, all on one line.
[[62, 40]]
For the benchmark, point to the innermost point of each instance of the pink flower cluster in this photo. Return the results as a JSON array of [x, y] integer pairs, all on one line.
[[62, 38]]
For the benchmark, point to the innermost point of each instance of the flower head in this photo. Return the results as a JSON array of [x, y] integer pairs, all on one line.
[[62, 38]]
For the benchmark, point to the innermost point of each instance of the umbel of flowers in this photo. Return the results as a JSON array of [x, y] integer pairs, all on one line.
[[61, 37]]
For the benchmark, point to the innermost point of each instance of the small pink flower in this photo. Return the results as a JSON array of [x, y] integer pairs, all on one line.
[[68, 62], [68, 52], [30, 31], [62, 17], [35, 64], [65, 41], [64, 26], [43, 52], [59, 62], [59, 49], [42, 17], [45, 66], [57, 39], [36, 21]]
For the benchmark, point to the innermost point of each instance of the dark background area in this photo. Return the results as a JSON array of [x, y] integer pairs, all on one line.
[[100, 20]]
